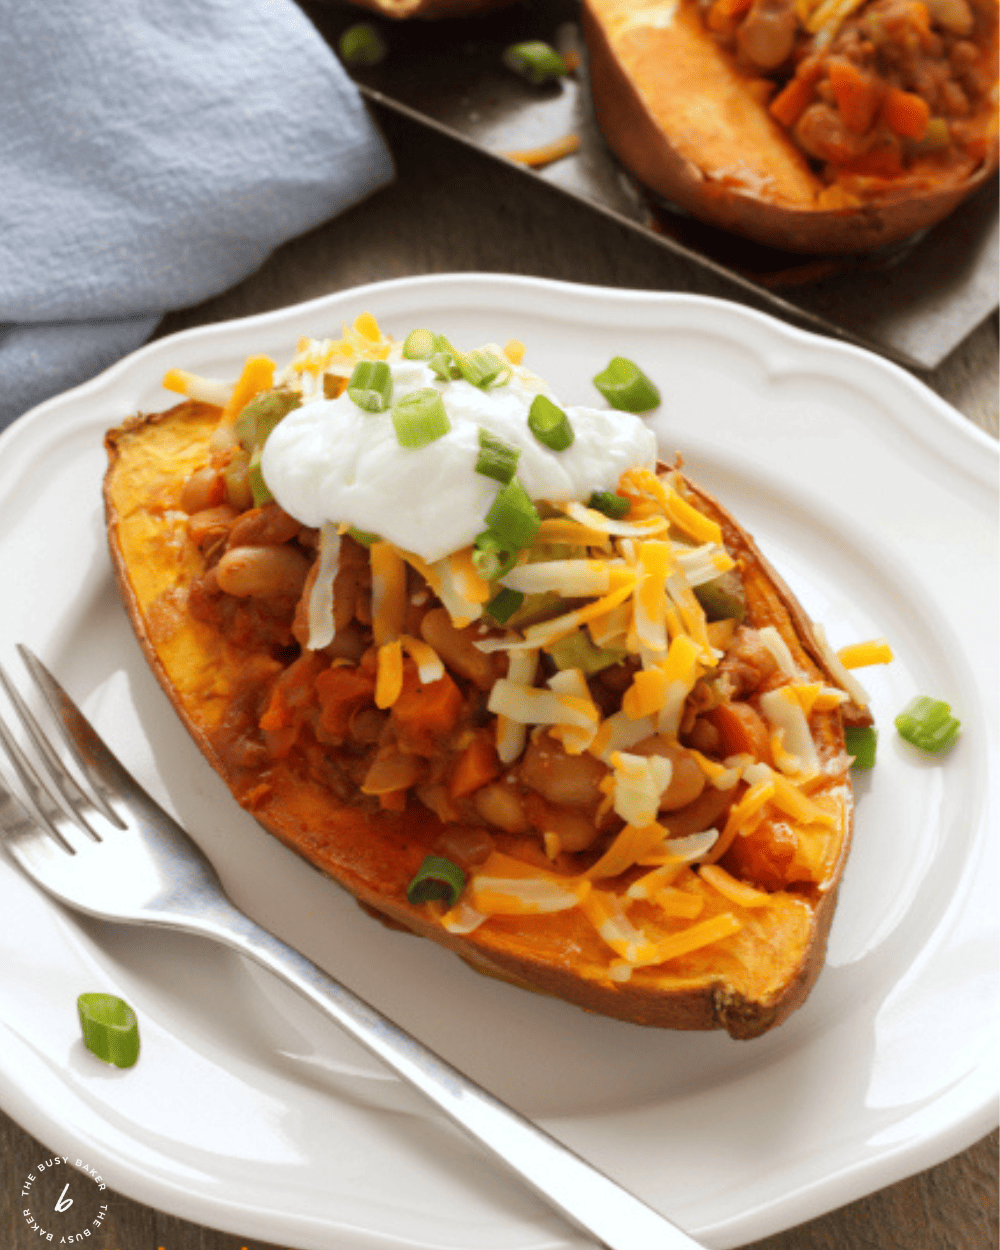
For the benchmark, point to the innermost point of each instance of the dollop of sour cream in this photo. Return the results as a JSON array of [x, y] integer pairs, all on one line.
[[330, 461]]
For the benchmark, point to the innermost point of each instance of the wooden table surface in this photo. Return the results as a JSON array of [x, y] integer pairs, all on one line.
[[452, 209]]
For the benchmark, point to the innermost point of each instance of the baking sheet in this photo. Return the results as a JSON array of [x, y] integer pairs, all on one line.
[[913, 303]]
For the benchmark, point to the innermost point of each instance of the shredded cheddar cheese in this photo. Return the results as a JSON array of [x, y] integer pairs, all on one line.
[[389, 682], [863, 654], [257, 376], [388, 592]]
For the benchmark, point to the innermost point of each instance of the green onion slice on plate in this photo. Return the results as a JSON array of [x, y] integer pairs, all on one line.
[[624, 385], [549, 424], [535, 60], [361, 44], [928, 724], [436, 878], [110, 1029], [419, 418]]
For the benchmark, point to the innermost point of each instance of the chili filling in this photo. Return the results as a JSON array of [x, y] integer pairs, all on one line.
[[437, 743], [880, 95]]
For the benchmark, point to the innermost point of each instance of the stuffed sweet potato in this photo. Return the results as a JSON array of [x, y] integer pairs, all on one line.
[[587, 739], [823, 126]]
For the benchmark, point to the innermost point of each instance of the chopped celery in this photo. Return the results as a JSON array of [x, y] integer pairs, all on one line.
[[577, 651], [861, 741]]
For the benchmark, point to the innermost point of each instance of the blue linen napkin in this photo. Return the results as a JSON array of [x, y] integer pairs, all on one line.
[[152, 155]]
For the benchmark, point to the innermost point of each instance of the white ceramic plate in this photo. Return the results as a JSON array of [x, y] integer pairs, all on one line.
[[246, 1112]]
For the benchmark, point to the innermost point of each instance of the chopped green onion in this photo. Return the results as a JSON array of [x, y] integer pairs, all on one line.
[[513, 517], [493, 557], [537, 61], [610, 504], [928, 723], [420, 345], [497, 459], [860, 741], [365, 537], [625, 386], [110, 1029], [436, 877], [504, 604], [362, 44], [258, 487], [549, 424], [258, 418], [482, 368], [370, 385], [419, 418], [443, 364]]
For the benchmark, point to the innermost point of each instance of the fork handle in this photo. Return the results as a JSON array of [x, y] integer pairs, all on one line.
[[585, 1196]]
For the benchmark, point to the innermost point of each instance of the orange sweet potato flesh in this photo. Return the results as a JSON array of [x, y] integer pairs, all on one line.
[[682, 115], [745, 984]]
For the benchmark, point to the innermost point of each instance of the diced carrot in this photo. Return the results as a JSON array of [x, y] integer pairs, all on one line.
[[858, 95], [792, 100], [279, 742], [424, 714], [476, 766], [292, 695], [341, 692], [884, 160], [742, 730], [905, 113]]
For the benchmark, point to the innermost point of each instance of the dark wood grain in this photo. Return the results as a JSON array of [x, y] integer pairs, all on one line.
[[451, 210]]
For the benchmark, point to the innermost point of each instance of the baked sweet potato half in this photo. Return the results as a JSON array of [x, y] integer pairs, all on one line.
[[597, 750], [821, 126]]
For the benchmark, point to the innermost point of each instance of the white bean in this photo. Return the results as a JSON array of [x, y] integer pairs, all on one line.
[[262, 572]]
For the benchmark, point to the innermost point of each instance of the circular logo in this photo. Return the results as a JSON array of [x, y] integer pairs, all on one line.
[[62, 1201]]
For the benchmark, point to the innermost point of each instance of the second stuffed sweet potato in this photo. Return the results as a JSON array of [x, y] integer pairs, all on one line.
[[821, 126]]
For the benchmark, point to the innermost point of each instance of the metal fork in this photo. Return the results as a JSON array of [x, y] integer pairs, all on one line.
[[117, 855]]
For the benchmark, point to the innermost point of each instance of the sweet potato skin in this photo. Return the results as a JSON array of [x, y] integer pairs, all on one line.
[[676, 111], [746, 985]]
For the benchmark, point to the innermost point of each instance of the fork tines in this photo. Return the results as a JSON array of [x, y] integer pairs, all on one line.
[[60, 798]]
